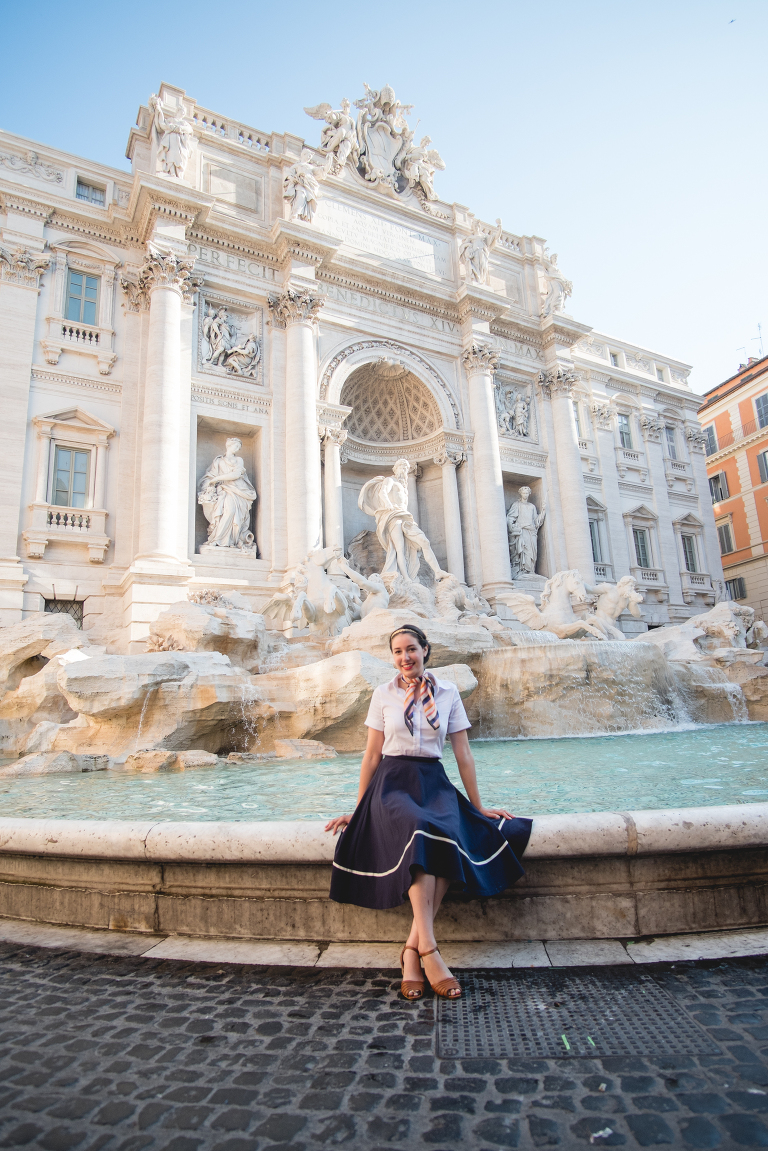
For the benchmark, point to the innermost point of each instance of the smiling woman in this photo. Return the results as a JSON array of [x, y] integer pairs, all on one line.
[[412, 833]]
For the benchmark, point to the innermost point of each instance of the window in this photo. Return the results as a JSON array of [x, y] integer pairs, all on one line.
[[73, 607], [577, 418], [718, 487], [762, 463], [736, 588], [761, 404], [725, 536], [689, 553], [82, 296], [669, 432], [594, 535], [90, 193], [625, 431], [660, 375], [614, 359], [642, 550], [711, 444], [70, 477]]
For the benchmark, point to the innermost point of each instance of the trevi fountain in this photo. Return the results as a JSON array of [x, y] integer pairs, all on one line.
[[175, 727]]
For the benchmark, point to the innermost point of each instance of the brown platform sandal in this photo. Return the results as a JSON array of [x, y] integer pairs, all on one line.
[[410, 988], [446, 988]]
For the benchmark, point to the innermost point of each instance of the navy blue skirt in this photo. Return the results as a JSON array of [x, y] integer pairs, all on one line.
[[413, 817]]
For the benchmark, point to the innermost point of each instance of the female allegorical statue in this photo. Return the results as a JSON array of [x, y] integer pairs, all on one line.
[[226, 495], [412, 833]]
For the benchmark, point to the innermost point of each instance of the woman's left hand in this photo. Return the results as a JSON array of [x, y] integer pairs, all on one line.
[[496, 813]]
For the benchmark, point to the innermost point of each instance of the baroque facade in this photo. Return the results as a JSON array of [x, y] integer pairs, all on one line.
[[206, 360]]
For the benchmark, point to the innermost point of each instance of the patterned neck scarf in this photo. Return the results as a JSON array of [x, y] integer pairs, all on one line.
[[422, 688]]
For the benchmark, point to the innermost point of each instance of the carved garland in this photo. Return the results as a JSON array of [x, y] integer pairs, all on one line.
[[399, 350]]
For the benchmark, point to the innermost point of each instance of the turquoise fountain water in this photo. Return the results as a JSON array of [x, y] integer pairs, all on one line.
[[701, 766]]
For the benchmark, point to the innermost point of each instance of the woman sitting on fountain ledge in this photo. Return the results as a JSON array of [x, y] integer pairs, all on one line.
[[412, 832]]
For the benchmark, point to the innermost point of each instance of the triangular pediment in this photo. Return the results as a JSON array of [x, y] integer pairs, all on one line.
[[642, 512], [689, 521], [74, 419]]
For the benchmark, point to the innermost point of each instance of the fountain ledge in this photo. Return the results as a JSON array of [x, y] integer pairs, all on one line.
[[599, 875]]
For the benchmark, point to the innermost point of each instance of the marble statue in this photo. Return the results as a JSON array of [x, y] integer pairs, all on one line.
[[513, 410], [226, 496], [523, 523], [555, 289], [475, 251], [174, 139], [377, 598], [612, 600], [310, 598], [557, 614], [418, 167], [339, 136], [238, 353], [386, 499], [301, 187]]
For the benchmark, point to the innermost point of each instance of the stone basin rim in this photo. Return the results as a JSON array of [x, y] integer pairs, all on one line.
[[572, 835]]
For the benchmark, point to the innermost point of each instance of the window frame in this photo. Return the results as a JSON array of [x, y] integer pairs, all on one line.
[[626, 425], [643, 533], [614, 358], [726, 528], [711, 434], [89, 199], [743, 587], [762, 466], [691, 562], [68, 296], [670, 439], [594, 535], [761, 410], [75, 451], [660, 375], [724, 494]]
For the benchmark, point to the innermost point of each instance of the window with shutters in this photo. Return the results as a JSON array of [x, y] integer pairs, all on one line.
[[761, 406], [762, 463], [725, 536], [689, 553], [718, 487], [711, 442], [642, 551], [736, 588]]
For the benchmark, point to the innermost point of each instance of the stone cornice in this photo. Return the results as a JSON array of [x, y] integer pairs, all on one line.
[[234, 244], [475, 302], [294, 240], [383, 290], [563, 330]]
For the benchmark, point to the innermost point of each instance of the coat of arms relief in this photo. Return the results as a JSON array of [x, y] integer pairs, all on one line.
[[379, 145]]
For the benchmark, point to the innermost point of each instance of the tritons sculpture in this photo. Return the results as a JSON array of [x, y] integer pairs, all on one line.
[[557, 614]]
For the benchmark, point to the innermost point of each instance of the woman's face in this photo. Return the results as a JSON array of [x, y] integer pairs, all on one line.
[[408, 655]]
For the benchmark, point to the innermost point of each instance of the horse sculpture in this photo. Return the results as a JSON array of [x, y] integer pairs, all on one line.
[[557, 614]]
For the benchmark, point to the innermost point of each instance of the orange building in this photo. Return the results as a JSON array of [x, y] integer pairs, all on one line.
[[734, 417]]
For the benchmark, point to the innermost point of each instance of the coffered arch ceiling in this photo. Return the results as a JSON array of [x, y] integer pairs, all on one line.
[[389, 404]]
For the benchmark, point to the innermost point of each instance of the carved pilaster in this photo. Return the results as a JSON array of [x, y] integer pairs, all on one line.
[[697, 440], [480, 358], [136, 297], [163, 270], [295, 306], [652, 427], [557, 380], [23, 267], [602, 414]]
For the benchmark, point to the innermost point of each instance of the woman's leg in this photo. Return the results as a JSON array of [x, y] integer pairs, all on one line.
[[426, 894]]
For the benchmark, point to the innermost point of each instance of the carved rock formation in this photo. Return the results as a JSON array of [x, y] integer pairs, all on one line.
[[236, 632]]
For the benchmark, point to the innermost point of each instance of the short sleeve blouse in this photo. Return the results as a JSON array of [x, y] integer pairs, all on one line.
[[386, 714]]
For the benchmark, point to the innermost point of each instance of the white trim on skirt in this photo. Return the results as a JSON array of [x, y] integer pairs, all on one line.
[[428, 835]]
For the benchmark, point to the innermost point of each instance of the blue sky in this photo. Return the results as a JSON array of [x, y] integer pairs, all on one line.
[[630, 135]]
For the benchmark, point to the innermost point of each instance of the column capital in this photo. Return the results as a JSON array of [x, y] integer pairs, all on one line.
[[556, 380], [480, 358], [652, 427], [164, 270], [295, 305], [446, 457], [697, 440], [603, 414], [328, 435], [23, 267]]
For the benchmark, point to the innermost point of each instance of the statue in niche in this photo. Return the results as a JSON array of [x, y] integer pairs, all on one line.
[[174, 139], [301, 187], [475, 251], [386, 499], [339, 136], [238, 353], [523, 523], [555, 288], [226, 496]]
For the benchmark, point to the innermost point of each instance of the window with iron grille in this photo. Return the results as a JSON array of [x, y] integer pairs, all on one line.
[[689, 553], [73, 607], [725, 535], [669, 432], [736, 588], [718, 487], [762, 463], [70, 478], [82, 297], [642, 551], [90, 193], [711, 444], [761, 406], [625, 431]]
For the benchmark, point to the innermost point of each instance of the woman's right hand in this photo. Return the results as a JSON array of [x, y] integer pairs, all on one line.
[[338, 824]]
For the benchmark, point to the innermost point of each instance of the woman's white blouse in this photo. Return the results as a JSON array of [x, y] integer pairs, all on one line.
[[386, 714]]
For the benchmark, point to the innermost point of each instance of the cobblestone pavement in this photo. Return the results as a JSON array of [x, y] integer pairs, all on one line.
[[105, 1052]]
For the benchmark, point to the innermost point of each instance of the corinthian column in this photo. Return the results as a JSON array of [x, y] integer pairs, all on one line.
[[454, 545], [166, 280], [555, 385], [296, 309], [334, 508], [480, 363]]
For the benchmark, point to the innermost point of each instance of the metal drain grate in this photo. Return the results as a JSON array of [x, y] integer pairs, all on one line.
[[564, 1014]]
